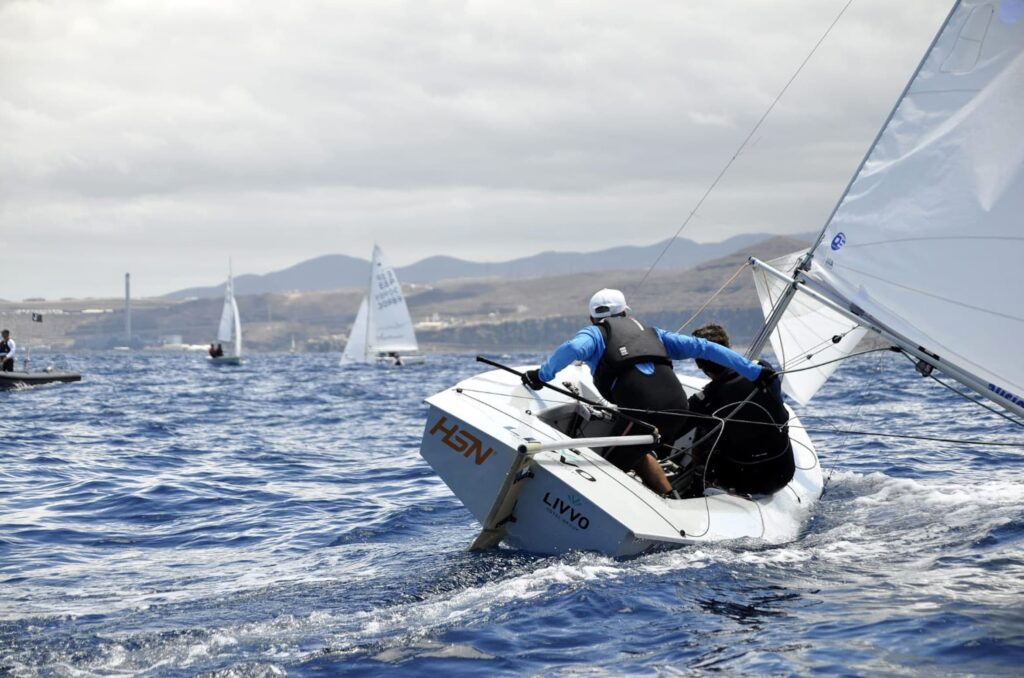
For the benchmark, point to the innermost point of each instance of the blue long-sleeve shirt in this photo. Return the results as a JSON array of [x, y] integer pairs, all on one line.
[[588, 346]]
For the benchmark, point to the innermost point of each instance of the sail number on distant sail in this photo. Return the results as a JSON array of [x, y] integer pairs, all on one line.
[[389, 293]]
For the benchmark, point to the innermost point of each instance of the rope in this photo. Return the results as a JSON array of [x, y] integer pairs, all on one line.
[[743, 145]]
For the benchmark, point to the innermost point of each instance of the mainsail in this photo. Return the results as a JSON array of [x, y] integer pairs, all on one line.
[[230, 330], [925, 245], [383, 324]]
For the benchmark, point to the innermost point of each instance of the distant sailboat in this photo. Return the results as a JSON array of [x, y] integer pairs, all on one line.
[[229, 333], [382, 333]]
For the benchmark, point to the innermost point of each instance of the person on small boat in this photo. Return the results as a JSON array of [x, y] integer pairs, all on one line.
[[751, 452], [216, 351], [632, 368], [395, 358], [7, 350]]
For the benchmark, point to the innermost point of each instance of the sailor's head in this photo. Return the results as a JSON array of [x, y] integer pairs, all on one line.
[[715, 334], [5, 334], [607, 303]]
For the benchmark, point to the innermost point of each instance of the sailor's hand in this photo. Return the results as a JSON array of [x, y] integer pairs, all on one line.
[[766, 377], [531, 378]]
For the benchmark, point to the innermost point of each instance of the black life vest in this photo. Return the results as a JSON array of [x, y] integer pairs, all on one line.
[[626, 343], [4, 346], [750, 457]]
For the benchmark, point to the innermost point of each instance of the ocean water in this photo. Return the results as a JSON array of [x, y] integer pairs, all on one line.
[[167, 518]]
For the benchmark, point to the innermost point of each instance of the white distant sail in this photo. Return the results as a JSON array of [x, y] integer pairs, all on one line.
[[355, 347], [383, 324], [230, 330], [926, 244], [390, 324]]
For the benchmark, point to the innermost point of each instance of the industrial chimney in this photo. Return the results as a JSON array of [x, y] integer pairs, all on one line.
[[128, 308]]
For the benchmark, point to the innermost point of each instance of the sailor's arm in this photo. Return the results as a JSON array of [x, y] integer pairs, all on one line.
[[682, 346], [580, 347]]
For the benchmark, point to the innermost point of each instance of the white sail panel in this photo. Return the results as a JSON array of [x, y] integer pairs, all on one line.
[[390, 324], [230, 329], [237, 327], [227, 315], [355, 346], [928, 240], [804, 339]]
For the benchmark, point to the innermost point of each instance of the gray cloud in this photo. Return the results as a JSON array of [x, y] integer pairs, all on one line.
[[161, 137]]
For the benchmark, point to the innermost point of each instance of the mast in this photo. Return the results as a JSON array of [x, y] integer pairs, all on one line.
[[757, 345]]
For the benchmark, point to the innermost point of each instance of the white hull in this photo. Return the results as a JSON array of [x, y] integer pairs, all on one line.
[[573, 499]]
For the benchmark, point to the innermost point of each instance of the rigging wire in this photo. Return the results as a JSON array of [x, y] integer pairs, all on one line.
[[696, 314], [743, 145], [971, 399], [856, 416], [887, 349]]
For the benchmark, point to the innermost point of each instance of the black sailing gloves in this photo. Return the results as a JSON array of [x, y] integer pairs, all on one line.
[[532, 379], [766, 377]]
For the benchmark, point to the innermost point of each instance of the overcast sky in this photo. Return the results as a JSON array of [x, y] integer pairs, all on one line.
[[162, 136]]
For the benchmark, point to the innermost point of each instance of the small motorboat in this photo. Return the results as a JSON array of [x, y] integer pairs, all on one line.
[[9, 380]]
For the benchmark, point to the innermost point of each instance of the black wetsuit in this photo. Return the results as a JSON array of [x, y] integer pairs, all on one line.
[[748, 458], [627, 343], [8, 363]]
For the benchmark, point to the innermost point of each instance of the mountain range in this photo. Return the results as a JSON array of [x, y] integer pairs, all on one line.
[[339, 271]]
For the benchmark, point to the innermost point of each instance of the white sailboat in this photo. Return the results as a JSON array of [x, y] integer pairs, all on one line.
[[229, 332], [382, 332], [922, 249]]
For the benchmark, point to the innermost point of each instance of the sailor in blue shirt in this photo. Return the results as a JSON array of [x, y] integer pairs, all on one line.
[[632, 367]]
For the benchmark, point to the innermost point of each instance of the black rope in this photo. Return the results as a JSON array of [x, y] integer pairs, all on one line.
[[963, 441], [835, 430]]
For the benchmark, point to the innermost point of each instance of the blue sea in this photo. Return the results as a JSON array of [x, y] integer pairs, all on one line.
[[167, 518]]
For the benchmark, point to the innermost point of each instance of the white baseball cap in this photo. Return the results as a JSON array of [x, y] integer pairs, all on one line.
[[606, 303]]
